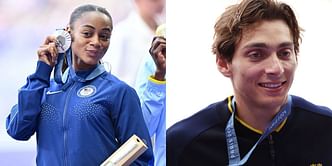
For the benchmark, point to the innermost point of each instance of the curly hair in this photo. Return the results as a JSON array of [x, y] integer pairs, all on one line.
[[236, 18]]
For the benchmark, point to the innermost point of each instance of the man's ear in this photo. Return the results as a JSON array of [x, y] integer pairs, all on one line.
[[224, 66]]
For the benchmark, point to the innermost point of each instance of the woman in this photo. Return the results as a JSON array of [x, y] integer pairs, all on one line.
[[85, 116]]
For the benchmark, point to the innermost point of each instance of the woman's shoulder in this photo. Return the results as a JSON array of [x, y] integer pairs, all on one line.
[[115, 82]]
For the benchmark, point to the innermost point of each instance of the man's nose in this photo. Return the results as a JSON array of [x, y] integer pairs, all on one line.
[[274, 65]]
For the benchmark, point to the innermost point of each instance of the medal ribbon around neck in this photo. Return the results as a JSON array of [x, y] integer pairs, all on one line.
[[231, 139]]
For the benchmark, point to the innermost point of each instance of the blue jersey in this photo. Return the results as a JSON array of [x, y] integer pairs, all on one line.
[[153, 98], [80, 122], [304, 138]]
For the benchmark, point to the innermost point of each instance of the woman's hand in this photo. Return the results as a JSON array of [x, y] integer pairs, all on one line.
[[48, 52]]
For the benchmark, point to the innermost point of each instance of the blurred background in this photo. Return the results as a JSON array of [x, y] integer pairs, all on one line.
[[23, 27]]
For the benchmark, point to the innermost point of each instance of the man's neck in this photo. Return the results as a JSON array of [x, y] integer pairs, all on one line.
[[256, 116]]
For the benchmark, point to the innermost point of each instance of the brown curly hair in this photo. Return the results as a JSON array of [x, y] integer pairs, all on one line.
[[236, 18]]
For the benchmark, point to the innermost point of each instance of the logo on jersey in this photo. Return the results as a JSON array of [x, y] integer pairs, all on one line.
[[86, 91]]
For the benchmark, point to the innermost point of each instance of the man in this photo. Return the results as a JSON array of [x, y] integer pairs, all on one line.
[[151, 88], [256, 44], [131, 38]]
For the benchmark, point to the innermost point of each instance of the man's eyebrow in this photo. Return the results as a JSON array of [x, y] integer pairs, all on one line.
[[286, 44], [251, 45], [264, 45]]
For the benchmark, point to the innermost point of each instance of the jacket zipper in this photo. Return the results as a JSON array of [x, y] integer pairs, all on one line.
[[272, 150], [65, 128]]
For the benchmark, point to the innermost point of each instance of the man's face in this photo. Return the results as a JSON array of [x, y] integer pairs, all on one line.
[[263, 66]]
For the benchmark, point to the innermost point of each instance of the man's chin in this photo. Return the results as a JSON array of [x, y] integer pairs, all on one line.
[[274, 101]]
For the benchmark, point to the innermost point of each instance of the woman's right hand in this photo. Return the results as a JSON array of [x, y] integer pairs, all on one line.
[[48, 52]]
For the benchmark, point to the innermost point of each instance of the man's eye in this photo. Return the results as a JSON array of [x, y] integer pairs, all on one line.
[[285, 54], [255, 55]]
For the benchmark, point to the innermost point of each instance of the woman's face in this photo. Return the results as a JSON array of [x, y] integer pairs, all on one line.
[[91, 37]]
